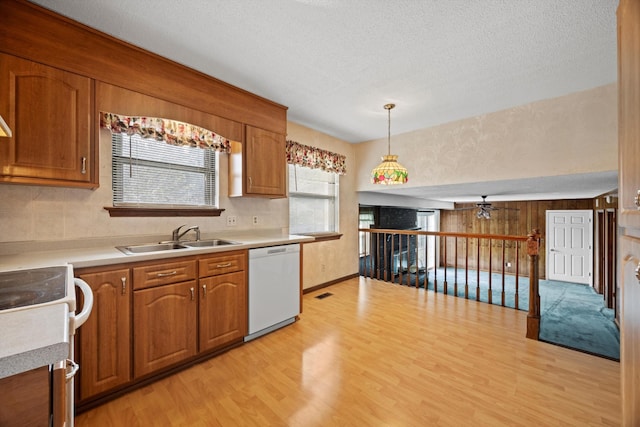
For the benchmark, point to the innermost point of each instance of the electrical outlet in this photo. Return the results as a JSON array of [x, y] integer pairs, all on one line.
[[508, 264], [232, 221], [254, 221]]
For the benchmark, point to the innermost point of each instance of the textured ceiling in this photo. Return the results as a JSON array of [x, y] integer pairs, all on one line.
[[335, 63]]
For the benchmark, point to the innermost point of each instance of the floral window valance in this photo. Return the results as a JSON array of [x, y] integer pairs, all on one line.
[[315, 158], [170, 131]]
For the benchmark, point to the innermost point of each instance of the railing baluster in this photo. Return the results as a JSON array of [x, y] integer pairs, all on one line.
[[417, 262], [466, 268], [517, 274], [385, 263], [455, 268], [490, 296], [478, 271], [426, 262], [503, 265], [400, 258], [435, 270], [445, 266], [377, 255]]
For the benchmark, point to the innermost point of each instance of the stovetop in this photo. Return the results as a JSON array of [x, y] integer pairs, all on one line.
[[21, 288]]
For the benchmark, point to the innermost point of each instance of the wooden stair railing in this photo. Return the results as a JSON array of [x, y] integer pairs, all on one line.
[[390, 250]]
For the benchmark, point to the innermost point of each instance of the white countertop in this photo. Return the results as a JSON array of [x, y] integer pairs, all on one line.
[[48, 342], [98, 252]]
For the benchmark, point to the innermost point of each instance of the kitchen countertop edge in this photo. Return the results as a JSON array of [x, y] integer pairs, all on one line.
[[83, 257]]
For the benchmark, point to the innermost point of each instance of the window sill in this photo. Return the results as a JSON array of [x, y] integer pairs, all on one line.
[[323, 237], [122, 211]]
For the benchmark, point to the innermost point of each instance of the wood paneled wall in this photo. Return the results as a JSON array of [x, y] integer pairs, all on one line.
[[518, 220]]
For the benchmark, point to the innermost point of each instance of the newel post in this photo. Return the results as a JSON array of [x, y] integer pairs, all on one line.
[[533, 318]]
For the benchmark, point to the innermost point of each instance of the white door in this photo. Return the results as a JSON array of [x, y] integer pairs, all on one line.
[[569, 246]]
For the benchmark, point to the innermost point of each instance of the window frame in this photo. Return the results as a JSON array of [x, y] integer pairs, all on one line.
[[318, 235]]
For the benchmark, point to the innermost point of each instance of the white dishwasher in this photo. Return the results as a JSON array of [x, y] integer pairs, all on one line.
[[274, 288]]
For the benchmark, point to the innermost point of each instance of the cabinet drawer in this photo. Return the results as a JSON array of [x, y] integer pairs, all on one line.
[[221, 264], [163, 273]]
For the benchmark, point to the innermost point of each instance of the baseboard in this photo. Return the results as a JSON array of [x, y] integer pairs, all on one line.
[[326, 284]]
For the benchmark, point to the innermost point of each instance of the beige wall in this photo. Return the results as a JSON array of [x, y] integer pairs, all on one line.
[[573, 134], [334, 259]]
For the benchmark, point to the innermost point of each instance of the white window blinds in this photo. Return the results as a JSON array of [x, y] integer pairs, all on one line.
[[152, 173]]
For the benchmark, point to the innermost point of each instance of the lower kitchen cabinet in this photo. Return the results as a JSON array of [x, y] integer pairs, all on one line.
[[104, 341], [153, 316], [164, 324], [223, 310]]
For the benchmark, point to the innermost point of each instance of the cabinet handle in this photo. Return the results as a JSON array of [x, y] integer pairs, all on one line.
[[192, 294], [637, 270], [173, 273], [225, 265], [250, 182], [124, 284], [204, 290], [637, 200], [84, 165]]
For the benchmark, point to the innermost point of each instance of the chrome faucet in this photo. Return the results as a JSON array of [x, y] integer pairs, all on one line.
[[176, 235]]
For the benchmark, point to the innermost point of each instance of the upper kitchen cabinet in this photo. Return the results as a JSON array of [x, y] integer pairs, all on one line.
[[258, 166], [49, 111]]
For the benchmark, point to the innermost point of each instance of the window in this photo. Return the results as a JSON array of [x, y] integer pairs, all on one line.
[[313, 200], [153, 173], [428, 221], [366, 218]]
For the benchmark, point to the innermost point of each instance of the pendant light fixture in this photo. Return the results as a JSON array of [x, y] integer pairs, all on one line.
[[389, 172]]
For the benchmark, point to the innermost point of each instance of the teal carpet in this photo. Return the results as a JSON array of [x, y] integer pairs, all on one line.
[[571, 315]]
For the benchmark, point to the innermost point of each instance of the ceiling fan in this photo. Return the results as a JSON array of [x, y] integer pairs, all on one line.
[[484, 209]]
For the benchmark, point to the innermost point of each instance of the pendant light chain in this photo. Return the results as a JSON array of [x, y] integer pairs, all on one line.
[[389, 128]]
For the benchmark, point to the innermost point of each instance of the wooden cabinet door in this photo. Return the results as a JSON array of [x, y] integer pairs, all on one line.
[[223, 309], [630, 329], [105, 338], [629, 112], [50, 114], [164, 326], [265, 163], [629, 205]]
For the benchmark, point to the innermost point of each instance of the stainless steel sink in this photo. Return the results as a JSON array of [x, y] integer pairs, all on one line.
[[208, 243], [169, 246], [151, 247]]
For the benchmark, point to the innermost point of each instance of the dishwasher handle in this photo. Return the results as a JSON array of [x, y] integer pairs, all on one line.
[[274, 251]]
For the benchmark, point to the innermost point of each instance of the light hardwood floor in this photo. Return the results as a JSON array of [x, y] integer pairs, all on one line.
[[377, 354]]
